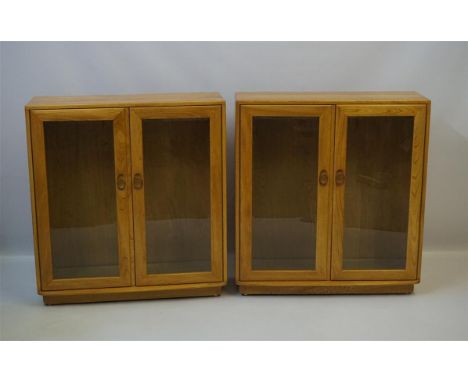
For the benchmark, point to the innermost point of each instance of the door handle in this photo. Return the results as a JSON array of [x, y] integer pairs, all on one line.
[[121, 183], [138, 181], [323, 178], [340, 178]]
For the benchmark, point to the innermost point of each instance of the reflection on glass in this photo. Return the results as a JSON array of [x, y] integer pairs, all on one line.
[[378, 167], [284, 188], [176, 159], [82, 203]]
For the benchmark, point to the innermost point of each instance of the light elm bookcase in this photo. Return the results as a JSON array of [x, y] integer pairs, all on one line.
[[128, 196], [330, 191]]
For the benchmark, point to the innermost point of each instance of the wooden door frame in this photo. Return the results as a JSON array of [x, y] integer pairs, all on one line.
[[246, 113], [214, 113], [119, 118], [417, 167]]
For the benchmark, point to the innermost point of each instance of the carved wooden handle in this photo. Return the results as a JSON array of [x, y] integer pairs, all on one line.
[[121, 183], [340, 178], [323, 178], [137, 181]]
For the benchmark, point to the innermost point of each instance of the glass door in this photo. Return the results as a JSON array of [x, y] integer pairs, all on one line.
[[377, 201], [285, 161], [81, 172], [177, 194]]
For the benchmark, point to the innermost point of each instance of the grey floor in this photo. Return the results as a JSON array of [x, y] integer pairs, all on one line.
[[438, 310]]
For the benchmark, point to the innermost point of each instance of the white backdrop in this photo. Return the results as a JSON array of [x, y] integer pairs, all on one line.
[[437, 70]]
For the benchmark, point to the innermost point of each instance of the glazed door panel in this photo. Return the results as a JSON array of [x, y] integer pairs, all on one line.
[[177, 194], [81, 171], [285, 161], [379, 153]]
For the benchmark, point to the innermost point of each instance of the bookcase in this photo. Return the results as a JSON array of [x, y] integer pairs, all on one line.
[[128, 196], [330, 191]]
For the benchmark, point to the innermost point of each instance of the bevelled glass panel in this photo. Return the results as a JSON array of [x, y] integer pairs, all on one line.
[[176, 160], [284, 192], [82, 200], [377, 192]]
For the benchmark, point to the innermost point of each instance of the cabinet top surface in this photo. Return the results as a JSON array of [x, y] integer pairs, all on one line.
[[329, 97], [125, 100]]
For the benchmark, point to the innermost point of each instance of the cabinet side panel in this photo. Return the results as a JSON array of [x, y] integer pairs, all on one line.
[[416, 196], [237, 191], [217, 193], [33, 201], [224, 198], [424, 183], [332, 190]]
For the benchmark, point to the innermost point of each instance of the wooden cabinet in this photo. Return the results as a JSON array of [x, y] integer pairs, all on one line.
[[330, 191], [128, 196]]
